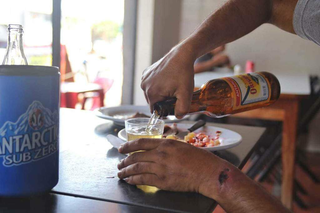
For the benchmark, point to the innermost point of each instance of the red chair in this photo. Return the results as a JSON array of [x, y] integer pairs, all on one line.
[[71, 91], [98, 97]]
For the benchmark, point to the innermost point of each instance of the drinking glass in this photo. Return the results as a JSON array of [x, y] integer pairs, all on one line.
[[138, 128]]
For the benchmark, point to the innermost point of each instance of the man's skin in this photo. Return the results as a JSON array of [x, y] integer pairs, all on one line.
[[172, 76], [176, 166]]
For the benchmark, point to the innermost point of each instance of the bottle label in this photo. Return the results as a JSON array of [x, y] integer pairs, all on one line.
[[249, 89], [32, 137]]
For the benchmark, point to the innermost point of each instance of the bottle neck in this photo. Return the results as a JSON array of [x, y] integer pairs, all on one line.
[[15, 40], [194, 107], [166, 107], [15, 53]]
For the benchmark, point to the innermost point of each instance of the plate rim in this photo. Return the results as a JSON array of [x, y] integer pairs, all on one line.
[[215, 148], [99, 114]]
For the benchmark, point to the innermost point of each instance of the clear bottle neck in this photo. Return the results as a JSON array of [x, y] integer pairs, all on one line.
[[15, 53]]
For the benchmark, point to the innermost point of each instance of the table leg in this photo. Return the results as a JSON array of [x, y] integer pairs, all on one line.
[[101, 97], [71, 99], [289, 137]]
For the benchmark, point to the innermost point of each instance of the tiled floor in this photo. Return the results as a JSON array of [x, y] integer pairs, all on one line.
[[312, 198]]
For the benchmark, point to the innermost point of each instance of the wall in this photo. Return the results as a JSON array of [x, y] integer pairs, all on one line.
[[158, 25], [269, 47], [129, 48], [143, 46], [166, 35]]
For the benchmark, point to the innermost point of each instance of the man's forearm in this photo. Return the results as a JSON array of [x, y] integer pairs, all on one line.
[[282, 14], [236, 19], [232, 21], [236, 193]]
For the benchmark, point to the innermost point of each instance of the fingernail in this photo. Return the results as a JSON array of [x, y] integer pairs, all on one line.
[[179, 116], [119, 164], [126, 179], [120, 148]]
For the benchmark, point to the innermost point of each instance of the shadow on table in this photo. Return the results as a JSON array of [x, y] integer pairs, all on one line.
[[108, 128], [166, 201], [39, 203], [113, 153]]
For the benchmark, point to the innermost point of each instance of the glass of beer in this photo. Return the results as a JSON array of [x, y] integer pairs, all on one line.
[[140, 128]]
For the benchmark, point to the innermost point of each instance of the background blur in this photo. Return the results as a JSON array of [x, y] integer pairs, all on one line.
[[166, 22], [118, 39], [91, 38], [108, 44]]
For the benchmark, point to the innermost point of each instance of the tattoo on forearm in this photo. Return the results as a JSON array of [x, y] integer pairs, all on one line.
[[223, 176]]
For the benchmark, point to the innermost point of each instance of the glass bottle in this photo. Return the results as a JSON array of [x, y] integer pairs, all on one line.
[[15, 54], [224, 96]]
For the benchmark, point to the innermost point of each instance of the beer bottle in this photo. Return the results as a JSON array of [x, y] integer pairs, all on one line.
[[224, 96], [15, 54]]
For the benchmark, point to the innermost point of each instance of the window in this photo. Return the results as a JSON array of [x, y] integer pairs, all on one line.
[[35, 16], [91, 40]]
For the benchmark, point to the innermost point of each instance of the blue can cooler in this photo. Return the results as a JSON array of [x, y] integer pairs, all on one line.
[[29, 129]]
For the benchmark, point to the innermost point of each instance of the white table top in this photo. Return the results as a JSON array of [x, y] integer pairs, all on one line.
[[79, 87], [293, 83]]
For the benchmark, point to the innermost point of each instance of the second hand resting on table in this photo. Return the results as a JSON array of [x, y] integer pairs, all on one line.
[[177, 166]]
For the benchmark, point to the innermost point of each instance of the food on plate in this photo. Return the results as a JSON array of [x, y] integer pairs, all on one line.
[[139, 115], [129, 115], [170, 130], [196, 139], [174, 138], [203, 140]]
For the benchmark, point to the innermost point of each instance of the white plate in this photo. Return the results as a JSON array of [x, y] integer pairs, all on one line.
[[228, 138], [119, 114]]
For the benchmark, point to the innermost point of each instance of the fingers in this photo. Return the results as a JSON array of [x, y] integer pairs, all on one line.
[[146, 97], [149, 156], [183, 103], [143, 179], [140, 144], [139, 168], [154, 96], [171, 76]]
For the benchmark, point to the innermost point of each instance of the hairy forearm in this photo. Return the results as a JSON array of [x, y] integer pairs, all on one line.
[[236, 193], [282, 14], [237, 18], [232, 21]]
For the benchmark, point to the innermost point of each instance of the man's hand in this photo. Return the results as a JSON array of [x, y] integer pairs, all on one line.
[[171, 76], [177, 166], [170, 165]]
